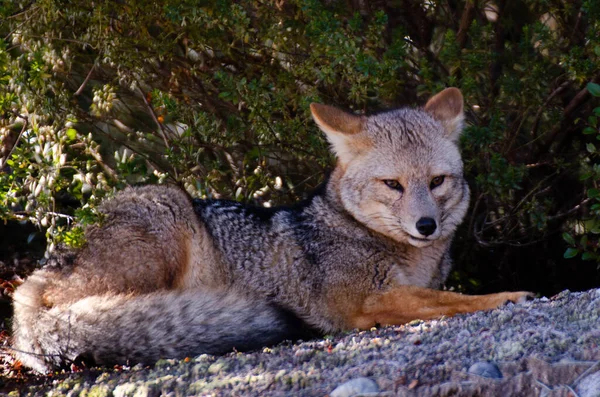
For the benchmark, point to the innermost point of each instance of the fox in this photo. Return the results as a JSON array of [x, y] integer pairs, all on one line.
[[167, 276]]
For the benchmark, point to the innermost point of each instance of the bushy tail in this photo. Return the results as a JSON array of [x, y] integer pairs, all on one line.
[[143, 328]]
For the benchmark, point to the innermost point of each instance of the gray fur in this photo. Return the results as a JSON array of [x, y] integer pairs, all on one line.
[[129, 329], [164, 277]]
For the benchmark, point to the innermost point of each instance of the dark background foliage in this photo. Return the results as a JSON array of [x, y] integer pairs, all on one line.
[[214, 95]]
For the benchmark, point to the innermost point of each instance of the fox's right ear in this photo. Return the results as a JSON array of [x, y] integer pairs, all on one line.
[[447, 108], [343, 130]]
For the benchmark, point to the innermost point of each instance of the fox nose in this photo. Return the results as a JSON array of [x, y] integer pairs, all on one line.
[[426, 226]]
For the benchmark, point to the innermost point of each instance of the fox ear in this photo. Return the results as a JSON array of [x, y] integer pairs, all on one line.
[[343, 130], [447, 108]]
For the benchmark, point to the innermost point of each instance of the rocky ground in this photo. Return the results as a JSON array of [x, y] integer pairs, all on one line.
[[547, 347]]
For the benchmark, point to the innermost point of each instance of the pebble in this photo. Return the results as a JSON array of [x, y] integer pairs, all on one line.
[[589, 386], [355, 387], [486, 369]]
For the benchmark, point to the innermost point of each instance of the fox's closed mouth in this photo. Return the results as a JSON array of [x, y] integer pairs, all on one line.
[[420, 239]]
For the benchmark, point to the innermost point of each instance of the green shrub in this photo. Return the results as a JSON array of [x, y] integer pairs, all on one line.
[[585, 237], [214, 96]]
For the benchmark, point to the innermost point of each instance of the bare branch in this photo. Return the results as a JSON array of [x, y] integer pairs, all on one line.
[[87, 78], [153, 114]]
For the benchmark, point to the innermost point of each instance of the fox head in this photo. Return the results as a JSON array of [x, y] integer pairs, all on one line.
[[400, 173]]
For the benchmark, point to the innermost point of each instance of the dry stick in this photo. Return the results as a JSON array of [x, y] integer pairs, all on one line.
[[83, 43], [538, 115], [98, 158], [23, 10], [465, 22], [497, 243], [576, 101], [12, 149], [570, 211], [576, 26], [87, 78], [473, 213], [126, 105], [160, 127], [582, 96], [22, 23], [104, 166], [514, 135], [534, 192]]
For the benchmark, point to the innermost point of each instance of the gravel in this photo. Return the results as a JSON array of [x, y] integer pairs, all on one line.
[[546, 347]]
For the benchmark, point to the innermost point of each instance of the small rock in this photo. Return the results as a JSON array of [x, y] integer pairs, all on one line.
[[464, 334], [486, 369], [355, 387], [589, 386]]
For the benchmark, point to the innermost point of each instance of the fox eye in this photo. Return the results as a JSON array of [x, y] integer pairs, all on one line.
[[393, 184], [437, 181]]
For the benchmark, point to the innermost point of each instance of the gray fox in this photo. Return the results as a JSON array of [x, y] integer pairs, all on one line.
[[165, 276]]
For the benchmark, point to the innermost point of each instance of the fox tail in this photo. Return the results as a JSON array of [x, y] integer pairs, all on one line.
[[128, 329]]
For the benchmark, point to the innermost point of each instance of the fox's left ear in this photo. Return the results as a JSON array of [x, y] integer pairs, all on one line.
[[344, 131], [447, 108]]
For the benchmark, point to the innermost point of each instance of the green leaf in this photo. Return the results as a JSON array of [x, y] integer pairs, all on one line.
[[571, 253], [591, 148], [587, 256], [589, 131], [71, 134], [594, 89], [568, 238], [593, 193], [597, 50]]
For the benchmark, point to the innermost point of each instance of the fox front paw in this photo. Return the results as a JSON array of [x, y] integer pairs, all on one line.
[[517, 297]]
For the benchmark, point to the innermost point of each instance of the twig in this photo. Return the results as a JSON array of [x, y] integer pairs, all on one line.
[[22, 23], [69, 218], [87, 78], [582, 96], [24, 10], [149, 107], [538, 115], [12, 149], [83, 43], [465, 22], [576, 101], [569, 212]]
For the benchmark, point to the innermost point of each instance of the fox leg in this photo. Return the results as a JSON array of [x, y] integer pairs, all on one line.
[[406, 303]]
